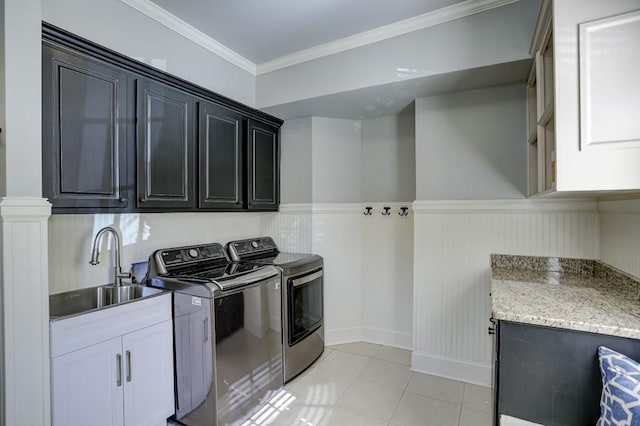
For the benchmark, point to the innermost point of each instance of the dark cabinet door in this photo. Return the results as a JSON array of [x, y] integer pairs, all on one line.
[[263, 166], [84, 151], [551, 376], [221, 158], [166, 146]]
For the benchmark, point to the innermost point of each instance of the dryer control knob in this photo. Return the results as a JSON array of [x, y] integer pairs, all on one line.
[[193, 253], [254, 244]]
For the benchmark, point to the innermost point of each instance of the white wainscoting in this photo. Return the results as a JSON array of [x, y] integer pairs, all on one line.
[[25, 311], [419, 282], [620, 234], [292, 228], [453, 241], [387, 276], [368, 272]]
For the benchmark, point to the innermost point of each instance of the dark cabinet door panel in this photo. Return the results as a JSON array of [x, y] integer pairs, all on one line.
[[165, 119], [84, 140], [551, 376], [263, 166], [220, 135]]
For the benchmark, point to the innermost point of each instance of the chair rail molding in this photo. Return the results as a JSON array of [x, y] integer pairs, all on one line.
[[501, 206]]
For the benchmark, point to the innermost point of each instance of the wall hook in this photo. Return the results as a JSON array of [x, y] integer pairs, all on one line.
[[386, 211], [404, 211], [368, 211]]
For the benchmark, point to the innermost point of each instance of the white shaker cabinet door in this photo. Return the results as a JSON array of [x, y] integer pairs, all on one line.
[[87, 386], [597, 94], [148, 375]]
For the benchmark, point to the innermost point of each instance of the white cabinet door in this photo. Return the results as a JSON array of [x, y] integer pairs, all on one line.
[[87, 386], [597, 94], [148, 375]]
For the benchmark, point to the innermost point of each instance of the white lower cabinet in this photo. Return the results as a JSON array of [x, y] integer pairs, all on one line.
[[84, 386], [126, 380], [148, 390]]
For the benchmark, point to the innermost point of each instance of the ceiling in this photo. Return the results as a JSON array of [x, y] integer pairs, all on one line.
[[263, 30]]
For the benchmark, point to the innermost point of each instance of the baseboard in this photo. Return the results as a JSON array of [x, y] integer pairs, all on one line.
[[378, 336], [457, 369], [387, 337], [338, 336]]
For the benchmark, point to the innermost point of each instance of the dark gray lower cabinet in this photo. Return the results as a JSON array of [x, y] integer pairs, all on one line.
[[84, 144], [221, 157], [549, 375], [166, 146], [263, 166]]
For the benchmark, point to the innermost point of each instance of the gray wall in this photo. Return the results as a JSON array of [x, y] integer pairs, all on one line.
[[388, 157], [117, 26], [296, 167], [471, 145], [496, 36], [3, 167], [21, 99], [337, 158]]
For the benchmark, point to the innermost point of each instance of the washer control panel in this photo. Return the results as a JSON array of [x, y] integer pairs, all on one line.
[[180, 256], [243, 249]]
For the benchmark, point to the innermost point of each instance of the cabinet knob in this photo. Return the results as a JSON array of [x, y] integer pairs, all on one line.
[[142, 200], [491, 330], [123, 200]]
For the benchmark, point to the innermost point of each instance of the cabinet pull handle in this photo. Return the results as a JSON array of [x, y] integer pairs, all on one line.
[[206, 332], [119, 367], [128, 366]]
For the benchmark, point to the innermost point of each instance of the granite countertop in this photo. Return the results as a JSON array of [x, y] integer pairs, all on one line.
[[575, 294]]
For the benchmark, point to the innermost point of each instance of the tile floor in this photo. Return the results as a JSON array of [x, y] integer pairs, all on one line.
[[369, 385]]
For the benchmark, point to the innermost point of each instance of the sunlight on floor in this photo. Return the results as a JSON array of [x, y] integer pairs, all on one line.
[[271, 409]]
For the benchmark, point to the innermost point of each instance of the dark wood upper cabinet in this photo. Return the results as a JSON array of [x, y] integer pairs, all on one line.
[[115, 130], [84, 141], [221, 157], [263, 166], [166, 146]]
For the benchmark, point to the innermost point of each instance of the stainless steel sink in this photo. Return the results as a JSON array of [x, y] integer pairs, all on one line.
[[90, 299]]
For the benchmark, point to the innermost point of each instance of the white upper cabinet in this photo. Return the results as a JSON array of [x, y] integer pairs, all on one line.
[[587, 61]]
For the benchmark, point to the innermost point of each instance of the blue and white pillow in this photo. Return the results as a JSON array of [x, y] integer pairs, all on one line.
[[620, 401]]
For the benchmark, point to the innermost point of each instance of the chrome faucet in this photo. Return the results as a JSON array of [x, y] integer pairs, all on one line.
[[95, 252]]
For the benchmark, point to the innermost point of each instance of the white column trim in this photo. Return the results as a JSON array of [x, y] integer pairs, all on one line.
[[25, 335], [20, 208]]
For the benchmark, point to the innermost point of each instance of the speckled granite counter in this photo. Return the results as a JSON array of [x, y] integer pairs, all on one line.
[[575, 294]]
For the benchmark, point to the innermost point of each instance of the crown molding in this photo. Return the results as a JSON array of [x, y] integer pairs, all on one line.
[[450, 13], [181, 27], [440, 16]]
